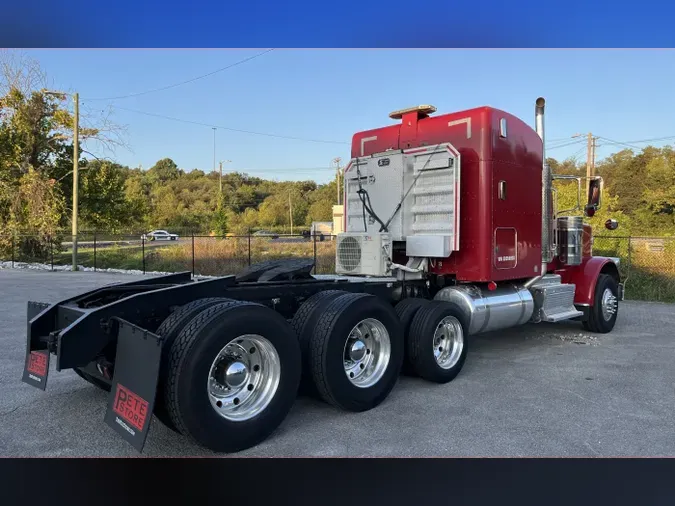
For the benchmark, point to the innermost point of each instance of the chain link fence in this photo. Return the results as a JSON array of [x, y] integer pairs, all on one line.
[[205, 255], [647, 263]]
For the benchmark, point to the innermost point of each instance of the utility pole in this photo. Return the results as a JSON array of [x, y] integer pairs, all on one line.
[[76, 156], [589, 156], [214, 148], [337, 176], [290, 211], [221, 181]]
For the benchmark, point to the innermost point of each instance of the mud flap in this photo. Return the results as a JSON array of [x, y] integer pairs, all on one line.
[[36, 369], [132, 396], [36, 366]]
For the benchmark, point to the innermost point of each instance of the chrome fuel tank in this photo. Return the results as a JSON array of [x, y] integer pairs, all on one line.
[[506, 306], [570, 232]]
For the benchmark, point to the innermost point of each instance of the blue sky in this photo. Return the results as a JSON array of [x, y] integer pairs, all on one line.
[[621, 95]]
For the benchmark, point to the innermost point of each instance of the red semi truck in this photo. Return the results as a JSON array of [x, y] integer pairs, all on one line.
[[450, 230]]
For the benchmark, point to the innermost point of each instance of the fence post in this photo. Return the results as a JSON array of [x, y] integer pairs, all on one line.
[[630, 260], [314, 240], [249, 247], [13, 241], [193, 252], [51, 251], [143, 251], [94, 251]]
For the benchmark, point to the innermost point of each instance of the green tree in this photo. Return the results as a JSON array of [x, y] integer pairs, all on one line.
[[33, 209], [250, 218], [659, 194], [103, 202], [164, 170]]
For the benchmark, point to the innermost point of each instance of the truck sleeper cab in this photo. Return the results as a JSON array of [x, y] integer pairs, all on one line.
[[450, 231]]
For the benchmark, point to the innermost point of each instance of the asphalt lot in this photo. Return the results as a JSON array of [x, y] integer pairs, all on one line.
[[538, 390]]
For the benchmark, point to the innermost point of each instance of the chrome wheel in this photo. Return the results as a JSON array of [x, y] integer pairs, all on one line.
[[244, 377], [367, 353], [608, 304], [448, 342]]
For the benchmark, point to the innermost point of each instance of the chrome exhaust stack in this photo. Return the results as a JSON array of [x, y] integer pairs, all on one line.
[[546, 181]]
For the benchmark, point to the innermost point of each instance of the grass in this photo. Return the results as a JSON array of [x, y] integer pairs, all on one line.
[[649, 275], [213, 257]]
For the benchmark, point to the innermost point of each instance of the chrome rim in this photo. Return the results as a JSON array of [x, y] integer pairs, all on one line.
[[367, 353], [609, 304], [448, 342], [244, 377]]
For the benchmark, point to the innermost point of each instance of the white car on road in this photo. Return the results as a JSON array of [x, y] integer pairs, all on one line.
[[159, 235]]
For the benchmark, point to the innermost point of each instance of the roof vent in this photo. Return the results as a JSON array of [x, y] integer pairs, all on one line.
[[421, 110]]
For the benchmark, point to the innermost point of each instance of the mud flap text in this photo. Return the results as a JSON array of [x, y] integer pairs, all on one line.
[[132, 395], [36, 369]]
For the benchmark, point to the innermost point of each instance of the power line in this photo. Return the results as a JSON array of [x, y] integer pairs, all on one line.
[[183, 82], [648, 140], [309, 169], [577, 153], [618, 143], [577, 141], [228, 128], [631, 144]]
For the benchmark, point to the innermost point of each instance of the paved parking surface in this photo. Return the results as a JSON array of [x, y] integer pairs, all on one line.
[[537, 390]]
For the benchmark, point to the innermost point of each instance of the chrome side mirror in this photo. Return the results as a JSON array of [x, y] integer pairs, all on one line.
[[611, 224], [594, 196]]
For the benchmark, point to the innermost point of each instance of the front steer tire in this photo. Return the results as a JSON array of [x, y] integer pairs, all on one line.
[[189, 367], [596, 321], [328, 344]]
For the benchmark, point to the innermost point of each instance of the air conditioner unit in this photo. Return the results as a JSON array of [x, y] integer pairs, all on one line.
[[363, 254]]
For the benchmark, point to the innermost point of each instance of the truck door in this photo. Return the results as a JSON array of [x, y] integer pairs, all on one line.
[[504, 218]]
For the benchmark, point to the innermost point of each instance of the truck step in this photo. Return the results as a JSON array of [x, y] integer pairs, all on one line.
[[553, 301], [558, 317]]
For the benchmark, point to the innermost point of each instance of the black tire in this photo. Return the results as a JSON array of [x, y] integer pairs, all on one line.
[[169, 330], [190, 359], [91, 379], [596, 321], [303, 324], [406, 310], [421, 345], [327, 350]]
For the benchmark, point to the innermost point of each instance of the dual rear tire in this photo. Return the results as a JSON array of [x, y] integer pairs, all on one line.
[[352, 346], [231, 376], [436, 339], [231, 370]]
